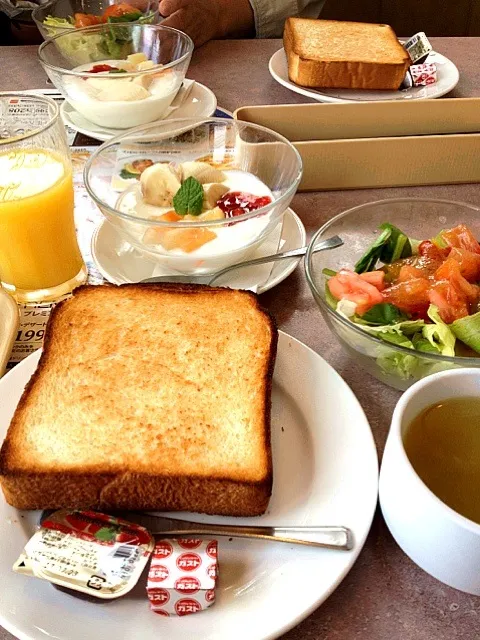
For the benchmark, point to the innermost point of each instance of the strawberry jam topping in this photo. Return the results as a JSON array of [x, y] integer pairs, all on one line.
[[236, 203]]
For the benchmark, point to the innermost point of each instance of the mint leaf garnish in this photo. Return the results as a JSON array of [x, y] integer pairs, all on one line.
[[117, 71], [189, 198]]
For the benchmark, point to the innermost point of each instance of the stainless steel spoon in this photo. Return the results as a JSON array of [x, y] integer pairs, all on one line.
[[339, 538], [331, 243]]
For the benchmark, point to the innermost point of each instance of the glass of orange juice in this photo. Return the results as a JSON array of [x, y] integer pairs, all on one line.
[[40, 259]]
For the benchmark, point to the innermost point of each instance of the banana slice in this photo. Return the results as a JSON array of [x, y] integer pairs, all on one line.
[[202, 171], [213, 214], [212, 193], [123, 91], [143, 81], [102, 83], [159, 184], [147, 64], [137, 58]]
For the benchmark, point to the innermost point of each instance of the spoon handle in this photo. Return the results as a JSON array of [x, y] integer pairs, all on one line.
[[327, 537], [339, 538], [330, 243]]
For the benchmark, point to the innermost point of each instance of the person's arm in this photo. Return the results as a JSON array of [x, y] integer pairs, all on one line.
[[205, 20], [270, 15]]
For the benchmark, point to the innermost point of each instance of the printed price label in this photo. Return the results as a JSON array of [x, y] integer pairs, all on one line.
[[33, 320]]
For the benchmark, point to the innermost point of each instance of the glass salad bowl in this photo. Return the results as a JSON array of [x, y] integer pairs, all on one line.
[[387, 350], [57, 16], [196, 195], [118, 75]]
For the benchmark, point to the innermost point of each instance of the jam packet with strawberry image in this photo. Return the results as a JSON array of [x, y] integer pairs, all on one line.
[[94, 553]]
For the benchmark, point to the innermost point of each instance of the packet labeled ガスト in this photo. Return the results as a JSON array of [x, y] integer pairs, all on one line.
[[182, 576]]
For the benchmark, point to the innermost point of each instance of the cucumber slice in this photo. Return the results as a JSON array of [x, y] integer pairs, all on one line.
[[468, 330], [398, 245]]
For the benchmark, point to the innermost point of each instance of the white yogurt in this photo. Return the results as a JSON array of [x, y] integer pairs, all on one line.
[[110, 100], [232, 244]]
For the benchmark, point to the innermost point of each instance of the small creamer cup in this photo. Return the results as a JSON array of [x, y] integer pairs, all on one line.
[[438, 539]]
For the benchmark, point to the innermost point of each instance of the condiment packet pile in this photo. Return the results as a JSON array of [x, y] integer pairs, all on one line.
[[182, 576]]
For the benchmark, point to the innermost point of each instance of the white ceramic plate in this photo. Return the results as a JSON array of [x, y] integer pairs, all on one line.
[[325, 472], [447, 79], [119, 262], [201, 102]]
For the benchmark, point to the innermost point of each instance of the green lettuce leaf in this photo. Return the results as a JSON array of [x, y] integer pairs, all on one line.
[[64, 23], [403, 329], [439, 334], [401, 365], [382, 314]]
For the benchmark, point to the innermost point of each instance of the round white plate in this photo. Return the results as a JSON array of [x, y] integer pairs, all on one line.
[[119, 262], [201, 102], [325, 472], [447, 79]]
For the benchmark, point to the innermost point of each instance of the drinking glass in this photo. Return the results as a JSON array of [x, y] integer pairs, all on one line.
[[40, 259]]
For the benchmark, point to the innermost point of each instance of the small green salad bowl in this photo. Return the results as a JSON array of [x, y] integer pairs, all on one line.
[[396, 347]]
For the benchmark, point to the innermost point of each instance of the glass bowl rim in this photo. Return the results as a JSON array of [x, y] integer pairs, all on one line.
[[289, 193], [433, 357], [51, 3], [115, 25], [41, 98]]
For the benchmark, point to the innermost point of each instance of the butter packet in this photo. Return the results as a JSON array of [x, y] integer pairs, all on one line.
[[94, 553], [182, 576]]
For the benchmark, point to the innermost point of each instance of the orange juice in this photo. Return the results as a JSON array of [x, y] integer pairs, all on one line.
[[38, 244]]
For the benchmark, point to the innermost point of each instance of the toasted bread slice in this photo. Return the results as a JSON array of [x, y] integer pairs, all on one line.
[[147, 397], [351, 55]]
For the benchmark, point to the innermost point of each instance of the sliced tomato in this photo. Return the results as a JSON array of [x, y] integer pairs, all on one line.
[[451, 304], [377, 278], [450, 271], [409, 272], [117, 10], [428, 249], [410, 296], [85, 20], [347, 285], [469, 263], [420, 266], [462, 238]]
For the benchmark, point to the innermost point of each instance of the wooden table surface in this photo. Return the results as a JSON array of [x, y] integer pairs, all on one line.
[[385, 595]]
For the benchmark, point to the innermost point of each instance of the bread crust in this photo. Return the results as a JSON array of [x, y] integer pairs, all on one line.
[[30, 488], [337, 73]]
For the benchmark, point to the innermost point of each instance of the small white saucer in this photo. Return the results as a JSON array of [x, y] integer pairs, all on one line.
[[200, 102], [132, 266]]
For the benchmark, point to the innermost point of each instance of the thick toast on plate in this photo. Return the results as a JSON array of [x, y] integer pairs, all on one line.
[[147, 397], [348, 55]]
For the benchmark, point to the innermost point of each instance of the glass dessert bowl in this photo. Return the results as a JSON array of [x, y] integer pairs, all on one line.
[[196, 194], [118, 75]]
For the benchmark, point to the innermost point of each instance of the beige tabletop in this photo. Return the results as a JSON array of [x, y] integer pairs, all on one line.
[[385, 596]]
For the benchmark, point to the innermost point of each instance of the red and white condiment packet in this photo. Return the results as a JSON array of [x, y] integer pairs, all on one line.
[[94, 553], [182, 576], [423, 74]]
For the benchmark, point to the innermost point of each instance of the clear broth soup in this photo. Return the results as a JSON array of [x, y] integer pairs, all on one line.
[[443, 446]]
